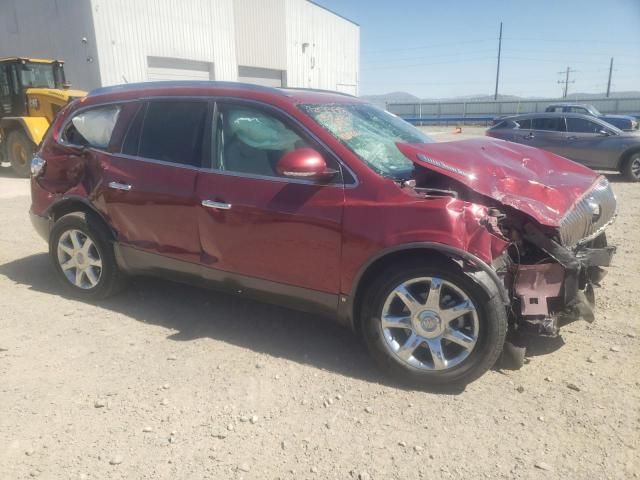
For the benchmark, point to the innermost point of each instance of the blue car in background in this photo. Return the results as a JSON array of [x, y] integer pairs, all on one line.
[[623, 122]]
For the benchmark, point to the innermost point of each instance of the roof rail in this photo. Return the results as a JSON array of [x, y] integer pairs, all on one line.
[[127, 87], [317, 90]]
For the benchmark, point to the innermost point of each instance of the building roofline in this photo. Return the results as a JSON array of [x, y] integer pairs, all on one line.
[[335, 13], [128, 87]]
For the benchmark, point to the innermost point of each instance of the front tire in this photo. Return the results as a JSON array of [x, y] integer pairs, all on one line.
[[432, 325], [631, 168], [20, 151], [83, 257]]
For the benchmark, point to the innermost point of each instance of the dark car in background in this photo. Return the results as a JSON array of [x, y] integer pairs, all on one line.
[[581, 138], [623, 122]]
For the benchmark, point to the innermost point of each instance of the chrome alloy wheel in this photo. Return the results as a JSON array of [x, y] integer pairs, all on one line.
[[635, 167], [79, 259], [429, 323]]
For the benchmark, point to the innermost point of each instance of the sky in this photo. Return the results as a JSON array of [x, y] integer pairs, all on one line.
[[440, 49]]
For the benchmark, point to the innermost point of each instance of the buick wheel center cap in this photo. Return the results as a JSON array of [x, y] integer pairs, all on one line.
[[429, 322], [80, 258]]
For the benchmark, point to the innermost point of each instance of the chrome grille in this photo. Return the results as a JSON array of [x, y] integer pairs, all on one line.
[[581, 223]]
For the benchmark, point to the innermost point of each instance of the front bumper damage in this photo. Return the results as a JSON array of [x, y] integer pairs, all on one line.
[[551, 294]]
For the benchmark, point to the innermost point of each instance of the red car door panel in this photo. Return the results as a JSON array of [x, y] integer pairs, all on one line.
[[275, 230], [156, 213], [148, 191]]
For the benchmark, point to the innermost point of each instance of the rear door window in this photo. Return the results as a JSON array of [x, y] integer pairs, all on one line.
[[92, 127], [172, 131], [551, 124]]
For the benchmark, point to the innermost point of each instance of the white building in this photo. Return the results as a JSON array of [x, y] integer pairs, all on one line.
[[294, 43]]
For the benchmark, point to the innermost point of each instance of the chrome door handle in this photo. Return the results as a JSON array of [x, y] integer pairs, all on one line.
[[529, 136], [572, 137], [120, 186], [218, 205]]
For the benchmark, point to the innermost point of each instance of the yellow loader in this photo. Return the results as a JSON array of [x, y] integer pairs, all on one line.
[[32, 92]]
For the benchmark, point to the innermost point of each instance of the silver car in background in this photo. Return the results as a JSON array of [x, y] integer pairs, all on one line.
[[581, 138]]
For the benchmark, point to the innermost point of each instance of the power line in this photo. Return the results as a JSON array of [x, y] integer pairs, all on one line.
[[460, 60], [422, 47], [421, 56], [552, 40]]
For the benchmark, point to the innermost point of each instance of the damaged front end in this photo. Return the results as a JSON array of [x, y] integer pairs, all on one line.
[[551, 273], [552, 213]]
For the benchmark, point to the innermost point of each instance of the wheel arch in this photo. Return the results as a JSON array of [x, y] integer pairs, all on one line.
[[71, 204], [485, 276], [627, 154]]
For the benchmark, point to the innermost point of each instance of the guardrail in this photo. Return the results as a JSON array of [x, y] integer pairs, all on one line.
[[483, 119], [463, 111]]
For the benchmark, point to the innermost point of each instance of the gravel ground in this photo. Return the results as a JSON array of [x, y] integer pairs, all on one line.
[[168, 381]]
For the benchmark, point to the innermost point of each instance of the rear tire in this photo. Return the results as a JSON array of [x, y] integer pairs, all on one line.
[[478, 335], [20, 151], [631, 168], [82, 254]]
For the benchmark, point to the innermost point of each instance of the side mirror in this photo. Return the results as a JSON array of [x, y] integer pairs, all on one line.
[[304, 163]]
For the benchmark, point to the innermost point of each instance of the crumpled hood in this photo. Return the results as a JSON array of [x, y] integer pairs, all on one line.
[[539, 183]]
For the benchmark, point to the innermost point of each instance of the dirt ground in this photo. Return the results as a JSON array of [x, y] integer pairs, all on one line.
[[167, 381]]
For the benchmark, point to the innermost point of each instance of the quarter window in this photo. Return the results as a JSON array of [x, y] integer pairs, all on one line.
[[92, 128], [172, 132], [252, 141]]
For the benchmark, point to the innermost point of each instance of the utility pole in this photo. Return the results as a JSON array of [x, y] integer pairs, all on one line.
[[495, 95], [609, 82], [566, 81]]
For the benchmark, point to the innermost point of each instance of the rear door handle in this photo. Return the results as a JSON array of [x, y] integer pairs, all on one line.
[[120, 186], [216, 205], [530, 135], [573, 137]]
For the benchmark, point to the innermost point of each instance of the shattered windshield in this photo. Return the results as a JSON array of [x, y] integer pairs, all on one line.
[[371, 133]]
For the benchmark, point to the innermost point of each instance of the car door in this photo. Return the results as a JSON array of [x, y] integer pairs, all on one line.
[[256, 224], [546, 133], [587, 144], [148, 186]]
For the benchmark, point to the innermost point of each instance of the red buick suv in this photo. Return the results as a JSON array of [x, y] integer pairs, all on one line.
[[434, 252]]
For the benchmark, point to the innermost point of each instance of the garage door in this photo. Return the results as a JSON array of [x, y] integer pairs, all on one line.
[[163, 68], [261, 76]]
